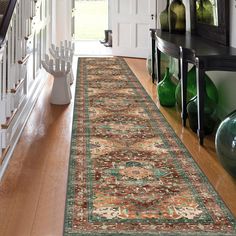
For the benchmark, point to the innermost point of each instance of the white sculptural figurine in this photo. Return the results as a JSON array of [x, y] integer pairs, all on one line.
[[59, 69], [64, 52]]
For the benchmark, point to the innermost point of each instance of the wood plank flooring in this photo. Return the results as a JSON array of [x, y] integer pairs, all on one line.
[[33, 189]]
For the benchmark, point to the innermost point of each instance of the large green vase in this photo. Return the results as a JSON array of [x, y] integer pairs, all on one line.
[[210, 117], [211, 89], [164, 19], [166, 90], [225, 143], [204, 10], [177, 17]]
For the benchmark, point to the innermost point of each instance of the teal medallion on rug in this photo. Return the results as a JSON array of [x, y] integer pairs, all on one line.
[[129, 174]]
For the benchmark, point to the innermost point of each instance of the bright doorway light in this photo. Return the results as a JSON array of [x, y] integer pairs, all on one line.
[[91, 19]]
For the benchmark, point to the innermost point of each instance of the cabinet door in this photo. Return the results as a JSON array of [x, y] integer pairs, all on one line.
[[131, 21]]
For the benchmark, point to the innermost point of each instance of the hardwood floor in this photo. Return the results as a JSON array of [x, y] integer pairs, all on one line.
[[33, 190]]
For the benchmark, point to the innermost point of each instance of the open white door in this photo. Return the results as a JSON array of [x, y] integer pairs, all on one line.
[[131, 21]]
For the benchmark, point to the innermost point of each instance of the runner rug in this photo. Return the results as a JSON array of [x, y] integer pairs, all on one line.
[[129, 174]]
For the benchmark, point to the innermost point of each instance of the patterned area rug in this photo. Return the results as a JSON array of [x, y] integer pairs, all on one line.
[[129, 174]]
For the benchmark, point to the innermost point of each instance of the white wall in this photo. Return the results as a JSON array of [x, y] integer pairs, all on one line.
[[161, 5], [53, 21], [61, 20]]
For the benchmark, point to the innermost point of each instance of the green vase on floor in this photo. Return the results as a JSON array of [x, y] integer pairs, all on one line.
[[177, 17], [210, 117], [192, 88], [225, 143], [164, 19], [166, 90]]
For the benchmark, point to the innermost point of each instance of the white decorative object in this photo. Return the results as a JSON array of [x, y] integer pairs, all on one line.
[[59, 69], [64, 52]]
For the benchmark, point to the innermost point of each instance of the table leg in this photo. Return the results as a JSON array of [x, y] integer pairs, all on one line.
[[183, 72], [200, 98], [158, 64], [153, 61]]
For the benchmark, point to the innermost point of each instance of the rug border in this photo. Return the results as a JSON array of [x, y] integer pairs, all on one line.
[[71, 142]]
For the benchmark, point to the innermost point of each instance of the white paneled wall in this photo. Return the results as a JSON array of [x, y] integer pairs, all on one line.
[[61, 20], [21, 77]]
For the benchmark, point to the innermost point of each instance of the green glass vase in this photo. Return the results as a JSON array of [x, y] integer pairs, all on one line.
[[210, 117], [225, 143], [211, 89], [166, 90], [204, 10], [177, 17], [164, 19]]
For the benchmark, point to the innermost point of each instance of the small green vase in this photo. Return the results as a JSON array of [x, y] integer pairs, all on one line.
[[225, 143], [164, 19], [192, 88], [210, 117], [177, 17], [166, 90]]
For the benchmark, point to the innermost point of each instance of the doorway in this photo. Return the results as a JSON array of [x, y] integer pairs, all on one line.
[[90, 21]]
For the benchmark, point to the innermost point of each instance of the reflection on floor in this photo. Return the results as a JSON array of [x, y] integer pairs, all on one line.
[[91, 48]]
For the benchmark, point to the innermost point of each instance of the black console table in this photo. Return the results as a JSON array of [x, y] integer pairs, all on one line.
[[188, 48]]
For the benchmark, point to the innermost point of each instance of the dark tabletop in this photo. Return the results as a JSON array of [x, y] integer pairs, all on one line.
[[202, 47]]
